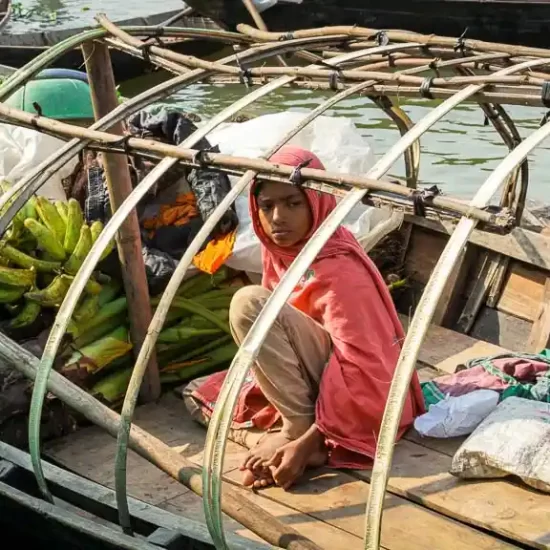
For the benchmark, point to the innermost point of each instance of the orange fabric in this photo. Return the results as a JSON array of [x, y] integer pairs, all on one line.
[[179, 213], [216, 253]]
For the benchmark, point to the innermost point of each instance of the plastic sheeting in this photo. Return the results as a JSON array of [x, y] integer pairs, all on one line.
[[336, 141], [22, 149]]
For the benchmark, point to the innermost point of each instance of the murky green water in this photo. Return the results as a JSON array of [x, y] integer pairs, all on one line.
[[457, 154], [63, 14]]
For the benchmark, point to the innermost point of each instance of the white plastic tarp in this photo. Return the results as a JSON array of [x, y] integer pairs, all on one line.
[[336, 141], [22, 149]]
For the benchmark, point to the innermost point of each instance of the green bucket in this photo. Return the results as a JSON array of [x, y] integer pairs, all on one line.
[[59, 98]]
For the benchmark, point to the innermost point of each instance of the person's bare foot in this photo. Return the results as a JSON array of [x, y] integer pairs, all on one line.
[[258, 480], [254, 466], [290, 461]]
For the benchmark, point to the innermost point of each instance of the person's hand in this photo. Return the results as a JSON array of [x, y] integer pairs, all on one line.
[[288, 464]]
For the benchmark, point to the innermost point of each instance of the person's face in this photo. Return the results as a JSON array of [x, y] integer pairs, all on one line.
[[284, 212]]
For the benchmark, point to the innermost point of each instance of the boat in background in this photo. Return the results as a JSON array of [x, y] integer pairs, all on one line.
[[5, 12], [16, 50], [522, 22]]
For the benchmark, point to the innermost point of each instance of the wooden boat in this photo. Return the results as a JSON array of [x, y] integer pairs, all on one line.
[[84, 514], [18, 49], [5, 12], [509, 21], [467, 265]]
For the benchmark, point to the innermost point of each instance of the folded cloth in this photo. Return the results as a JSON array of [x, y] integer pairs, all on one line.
[[520, 374], [181, 212]]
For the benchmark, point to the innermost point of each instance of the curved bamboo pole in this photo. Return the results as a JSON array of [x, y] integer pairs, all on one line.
[[332, 182], [50, 55], [316, 72], [165, 59], [525, 96], [162, 309], [507, 130], [29, 185], [404, 124], [221, 419], [396, 35], [418, 329]]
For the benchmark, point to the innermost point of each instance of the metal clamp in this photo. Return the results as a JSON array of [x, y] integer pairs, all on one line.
[[296, 177], [425, 88]]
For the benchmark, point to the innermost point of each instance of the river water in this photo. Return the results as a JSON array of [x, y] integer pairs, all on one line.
[[63, 14], [457, 154]]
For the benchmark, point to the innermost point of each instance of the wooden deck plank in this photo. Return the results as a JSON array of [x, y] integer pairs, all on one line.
[[91, 451], [445, 349], [83, 492], [329, 509], [420, 465], [448, 446], [515, 512], [339, 499], [321, 533]]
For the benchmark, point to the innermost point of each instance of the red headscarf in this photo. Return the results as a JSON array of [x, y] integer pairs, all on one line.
[[343, 291]]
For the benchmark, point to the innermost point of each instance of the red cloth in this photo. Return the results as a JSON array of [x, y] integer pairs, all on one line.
[[343, 291]]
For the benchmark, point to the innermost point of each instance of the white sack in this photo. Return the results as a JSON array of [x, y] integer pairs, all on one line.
[[513, 440], [457, 416]]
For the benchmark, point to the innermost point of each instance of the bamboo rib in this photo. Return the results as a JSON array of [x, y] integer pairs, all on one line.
[[247, 353], [320, 73], [267, 170], [260, 23], [395, 35], [525, 97], [417, 331]]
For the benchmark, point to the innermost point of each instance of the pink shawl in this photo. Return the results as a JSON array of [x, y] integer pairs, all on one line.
[[343, 291]]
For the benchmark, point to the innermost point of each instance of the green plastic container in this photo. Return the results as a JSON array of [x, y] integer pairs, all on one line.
[[59, 98]]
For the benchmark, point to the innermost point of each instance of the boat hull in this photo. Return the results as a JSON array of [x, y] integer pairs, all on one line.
[[16, 50], [511, 22]]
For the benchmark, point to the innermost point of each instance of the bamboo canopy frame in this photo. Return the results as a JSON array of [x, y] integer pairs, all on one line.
[[349, 61]]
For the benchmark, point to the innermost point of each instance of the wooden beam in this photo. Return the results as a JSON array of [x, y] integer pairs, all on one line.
[[478, 292], [444, 312], [520, 244], [104, 98]]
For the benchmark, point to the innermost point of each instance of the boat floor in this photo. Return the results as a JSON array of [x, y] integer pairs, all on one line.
[[426, 507]]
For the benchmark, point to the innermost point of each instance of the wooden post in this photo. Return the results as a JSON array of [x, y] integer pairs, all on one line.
[[260, 23], [104, 98]]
